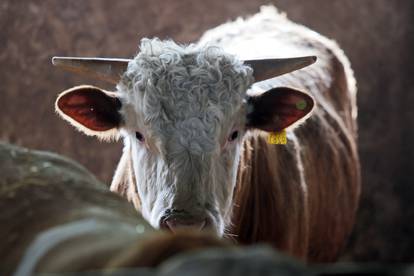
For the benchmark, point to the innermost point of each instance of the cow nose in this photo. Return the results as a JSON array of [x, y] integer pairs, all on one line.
[[176, 224]]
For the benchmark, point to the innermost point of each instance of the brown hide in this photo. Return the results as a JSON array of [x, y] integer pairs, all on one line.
[[301, 197], [271, 206]]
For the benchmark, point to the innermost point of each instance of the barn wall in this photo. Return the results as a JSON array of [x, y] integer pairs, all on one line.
[[376, 35]]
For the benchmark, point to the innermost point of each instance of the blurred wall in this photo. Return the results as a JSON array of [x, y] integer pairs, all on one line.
[[377, 35]]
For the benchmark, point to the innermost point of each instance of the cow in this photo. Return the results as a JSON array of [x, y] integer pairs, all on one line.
[[196, 120]]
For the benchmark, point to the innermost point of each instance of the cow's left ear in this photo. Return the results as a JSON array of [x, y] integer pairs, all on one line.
[[278, 108]]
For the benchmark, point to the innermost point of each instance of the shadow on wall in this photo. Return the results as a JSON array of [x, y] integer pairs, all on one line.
[[377, 36]]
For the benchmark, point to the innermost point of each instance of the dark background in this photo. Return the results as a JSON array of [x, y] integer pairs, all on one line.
[[377, 36]]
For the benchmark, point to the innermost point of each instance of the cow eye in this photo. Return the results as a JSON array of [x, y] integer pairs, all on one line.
[[139, 136], [233, 136]]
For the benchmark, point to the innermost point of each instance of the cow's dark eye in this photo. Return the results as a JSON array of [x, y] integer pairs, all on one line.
[[233, 136], [139, 136]]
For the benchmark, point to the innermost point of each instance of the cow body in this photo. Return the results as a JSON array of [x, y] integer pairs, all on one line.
[[301, 197], [196, 150]]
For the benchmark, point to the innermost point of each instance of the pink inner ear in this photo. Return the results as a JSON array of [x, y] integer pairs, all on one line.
[[288, 111], [92, 108], [279, 108]]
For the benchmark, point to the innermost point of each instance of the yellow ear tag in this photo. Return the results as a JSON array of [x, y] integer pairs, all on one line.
[[277, 138]]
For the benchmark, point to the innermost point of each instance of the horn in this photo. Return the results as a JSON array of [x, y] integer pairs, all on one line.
[[111, 69], [269, 68], [106, 69]]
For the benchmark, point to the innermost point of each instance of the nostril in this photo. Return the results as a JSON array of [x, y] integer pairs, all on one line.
[[178, 224]]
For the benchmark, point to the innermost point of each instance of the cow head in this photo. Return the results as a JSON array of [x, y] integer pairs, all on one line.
[[182, 112]]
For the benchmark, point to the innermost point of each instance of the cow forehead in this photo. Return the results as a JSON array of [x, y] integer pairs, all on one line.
[[189, 89]]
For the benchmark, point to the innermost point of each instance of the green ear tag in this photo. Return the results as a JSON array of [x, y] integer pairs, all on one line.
[[277, 138], [301, 105]]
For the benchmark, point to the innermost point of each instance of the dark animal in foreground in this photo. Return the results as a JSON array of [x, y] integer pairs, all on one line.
[[56, 217]]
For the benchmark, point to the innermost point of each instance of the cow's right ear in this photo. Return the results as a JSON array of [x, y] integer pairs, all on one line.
[[90, 109]]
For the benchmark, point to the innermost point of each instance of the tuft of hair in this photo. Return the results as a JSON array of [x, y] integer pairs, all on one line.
[[156, 249]]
